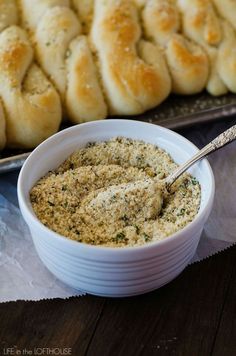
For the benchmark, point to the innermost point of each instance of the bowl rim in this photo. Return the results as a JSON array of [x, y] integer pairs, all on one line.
[[118, 250]]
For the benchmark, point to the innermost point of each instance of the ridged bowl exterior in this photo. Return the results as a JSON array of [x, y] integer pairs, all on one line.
[[113, 272]]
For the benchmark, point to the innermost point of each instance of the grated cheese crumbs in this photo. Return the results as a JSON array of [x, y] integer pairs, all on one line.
[[107, 194]]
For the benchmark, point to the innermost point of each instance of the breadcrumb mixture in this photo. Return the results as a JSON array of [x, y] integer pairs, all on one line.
[[108, 194]]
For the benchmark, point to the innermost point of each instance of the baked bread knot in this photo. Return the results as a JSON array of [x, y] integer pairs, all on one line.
[[200, 21], [65, 57], [188, 65], [84, 98], [31, 105], [226, 59], [161, 19], [3, 138], [8, 14], [84, 8], [32, 13], [202, 25], [227, 9], [134, 73]]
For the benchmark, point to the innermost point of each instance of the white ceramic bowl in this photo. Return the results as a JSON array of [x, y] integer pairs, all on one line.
[[114, 272]]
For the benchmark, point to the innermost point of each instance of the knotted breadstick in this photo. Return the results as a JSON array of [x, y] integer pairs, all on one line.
[[84, 98], [85, 11], [188, 63], [8, 14], [3, 138], [202, 25], [161, 19], [226, 60], [227, 9], [134, 72], [200, 21], [139, 3], [32, 12], [32, 106], [65, 57]]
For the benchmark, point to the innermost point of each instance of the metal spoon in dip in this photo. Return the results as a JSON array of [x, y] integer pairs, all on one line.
[[220, 141], [145, 197]]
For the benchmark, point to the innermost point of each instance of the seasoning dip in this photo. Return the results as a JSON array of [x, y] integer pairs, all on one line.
[[107, 194]]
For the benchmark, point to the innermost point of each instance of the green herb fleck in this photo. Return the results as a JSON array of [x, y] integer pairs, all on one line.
[[125, 218], [194, 181], [182, 212], [140, 160], [185, 184], [91, 144], [137, 229], [33, 199], [146, 237], [120, 237]]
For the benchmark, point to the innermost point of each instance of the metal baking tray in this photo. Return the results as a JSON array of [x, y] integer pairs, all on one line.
[[177, 112]]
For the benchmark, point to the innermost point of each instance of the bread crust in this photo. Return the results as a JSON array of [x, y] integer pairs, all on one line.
[[32, 106], [84, 97], [226, 59], [8, 14], [161, 19], [188, 65], [84, 8], [227, 9], [3, 138], [134, 73], [55, 34], [202, 25], [32, 13]]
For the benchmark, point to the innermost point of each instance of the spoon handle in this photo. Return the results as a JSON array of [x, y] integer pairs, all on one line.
[[220, 141]]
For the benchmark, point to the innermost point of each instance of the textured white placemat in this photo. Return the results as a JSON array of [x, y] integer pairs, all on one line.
[[22, 274]]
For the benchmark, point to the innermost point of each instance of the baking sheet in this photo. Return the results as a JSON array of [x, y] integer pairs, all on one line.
[[177, 112]]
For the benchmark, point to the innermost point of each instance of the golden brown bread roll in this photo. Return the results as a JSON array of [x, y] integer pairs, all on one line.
[[200, 21], [139, 3], [215, 85], [202, 25], [60, 53], [32, 12], [227, 9], [84, 9], [54, 33], [3, 138], [135, 77], [226, 59], [161, 20], [84, 97], [188, 65], [32, 106], [8, 14]]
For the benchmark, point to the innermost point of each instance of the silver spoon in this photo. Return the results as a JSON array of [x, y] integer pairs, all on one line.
[[220, 141]]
